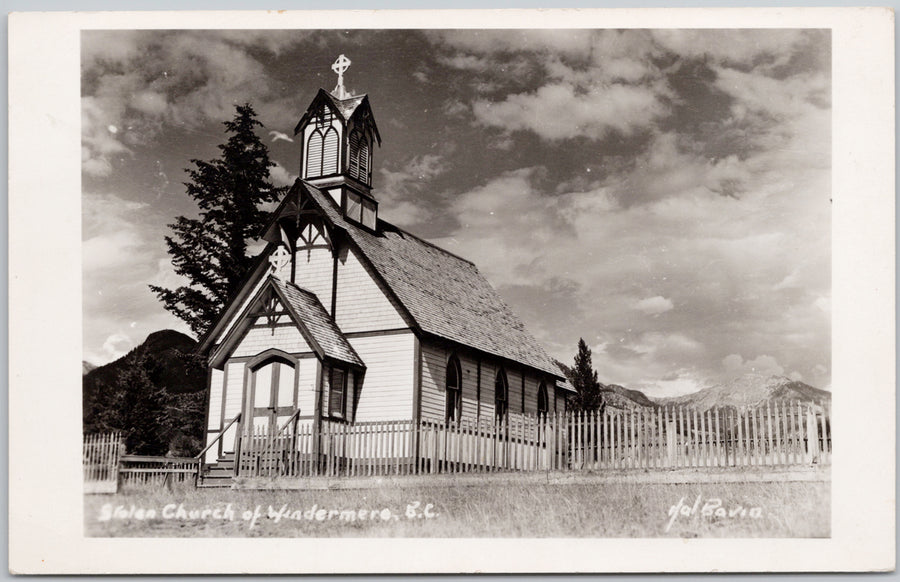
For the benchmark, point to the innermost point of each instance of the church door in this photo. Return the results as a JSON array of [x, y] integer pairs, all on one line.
[[271, 396]]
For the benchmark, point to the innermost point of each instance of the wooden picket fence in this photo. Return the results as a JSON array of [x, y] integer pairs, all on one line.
[[144, 471], [777, 433], [774, 434], [107, 468], [100, 461]]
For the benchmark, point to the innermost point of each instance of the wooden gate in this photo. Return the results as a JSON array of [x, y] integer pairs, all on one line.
[[100, 462]]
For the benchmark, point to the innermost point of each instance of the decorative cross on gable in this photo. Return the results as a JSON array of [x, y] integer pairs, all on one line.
[[340, 65], [279, 259]]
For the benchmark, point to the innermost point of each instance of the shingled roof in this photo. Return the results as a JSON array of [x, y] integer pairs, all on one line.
[[444, 294], [307, 309], [347, 106]]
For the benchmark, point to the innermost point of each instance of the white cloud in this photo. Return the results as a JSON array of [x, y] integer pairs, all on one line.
[[766, 365], [654, 305], [280, 176], [596, 82], [660, 234], [122, 253], [116, 346], [569, 42], [148, 80], [277, 135], [732, 46], [150, 103], [561, 111], [111, 251], [400, 190]]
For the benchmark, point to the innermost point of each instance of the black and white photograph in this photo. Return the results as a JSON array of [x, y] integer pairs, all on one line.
[[470, 282]]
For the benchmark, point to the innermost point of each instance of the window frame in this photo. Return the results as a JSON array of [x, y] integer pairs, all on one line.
[[453, 399], [501, 405], [543, 395], [342, 412]]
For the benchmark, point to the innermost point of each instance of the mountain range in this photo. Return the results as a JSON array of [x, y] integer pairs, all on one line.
[[750, 390], [747, 390]]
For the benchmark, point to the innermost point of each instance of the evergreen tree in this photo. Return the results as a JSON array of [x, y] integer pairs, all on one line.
[[584, 379], [140, 405], [211, 251], [185, 415], [98, 410]]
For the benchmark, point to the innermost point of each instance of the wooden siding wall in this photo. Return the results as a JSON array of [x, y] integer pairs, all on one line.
[[434, 376], [314, 272], [306, 393], [387, 390], [214, 420], [514, 398], [560, 402], [361, 304], [234, 394], [260, 339], [237, 316], [434, 395]]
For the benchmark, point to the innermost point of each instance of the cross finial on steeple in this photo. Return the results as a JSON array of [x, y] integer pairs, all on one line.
[[340, 65]]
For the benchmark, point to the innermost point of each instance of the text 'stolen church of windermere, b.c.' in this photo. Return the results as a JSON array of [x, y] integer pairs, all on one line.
[[347, 318]]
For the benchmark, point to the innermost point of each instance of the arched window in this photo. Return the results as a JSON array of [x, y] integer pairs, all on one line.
[[330, 152], [358, 166], [501, 396], [543, 403], [314, 154], [454, 390]]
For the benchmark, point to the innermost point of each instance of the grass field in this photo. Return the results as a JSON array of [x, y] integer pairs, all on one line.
[[783, 509]]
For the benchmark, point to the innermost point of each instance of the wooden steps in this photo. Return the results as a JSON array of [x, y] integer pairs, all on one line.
[[218, 474]]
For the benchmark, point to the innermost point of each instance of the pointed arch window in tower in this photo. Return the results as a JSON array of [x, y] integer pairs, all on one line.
[[322, 146], [330, 152], [358, 167], [353, 166], [314, 154]]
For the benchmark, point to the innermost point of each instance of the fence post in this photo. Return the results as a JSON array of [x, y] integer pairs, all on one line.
[[812, 436], [670, 442]]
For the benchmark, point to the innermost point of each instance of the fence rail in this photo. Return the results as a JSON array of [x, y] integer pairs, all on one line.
[[139, 470], [781, 433]]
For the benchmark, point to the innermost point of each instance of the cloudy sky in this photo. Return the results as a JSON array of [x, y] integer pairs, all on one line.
[[663, 194]]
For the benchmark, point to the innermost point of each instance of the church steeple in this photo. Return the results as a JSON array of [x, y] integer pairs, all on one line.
[[338, 135]]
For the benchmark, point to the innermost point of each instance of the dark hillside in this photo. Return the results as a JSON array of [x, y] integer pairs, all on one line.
[[171, 349], [155, 394], [621, 397]]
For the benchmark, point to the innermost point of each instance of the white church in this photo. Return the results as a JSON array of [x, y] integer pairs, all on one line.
[[347, 318]]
